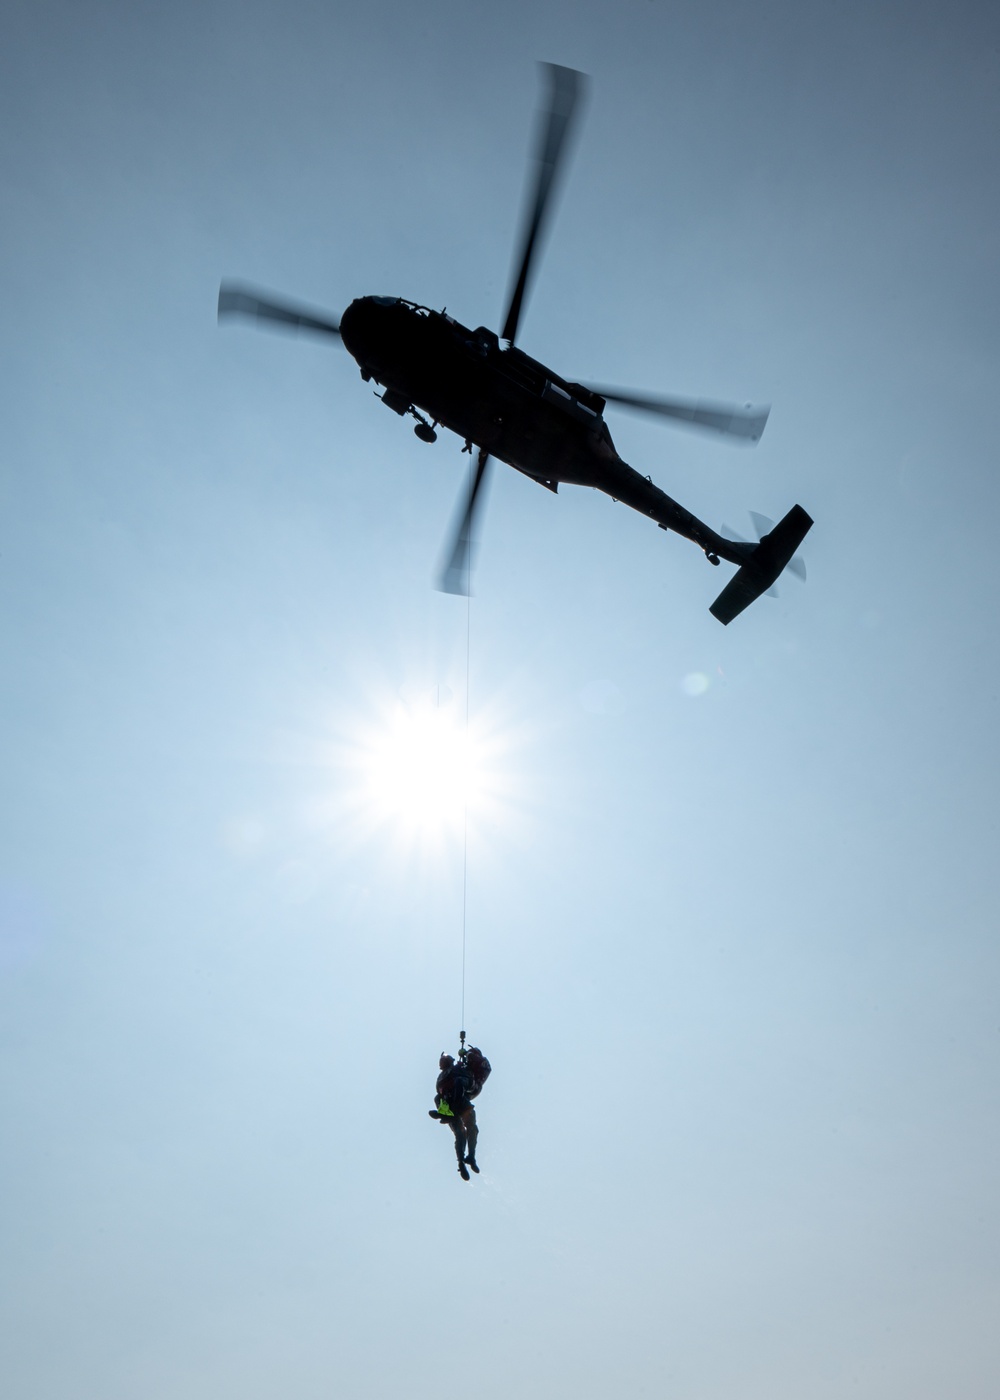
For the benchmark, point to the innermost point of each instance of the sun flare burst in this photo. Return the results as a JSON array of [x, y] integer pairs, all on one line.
[[410, 766], [422, 767]]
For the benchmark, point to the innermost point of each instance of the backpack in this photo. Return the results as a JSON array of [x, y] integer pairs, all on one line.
[[478, 1068]]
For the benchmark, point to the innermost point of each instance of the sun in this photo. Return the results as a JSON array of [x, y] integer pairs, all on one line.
[[421, 767], [409, 767]]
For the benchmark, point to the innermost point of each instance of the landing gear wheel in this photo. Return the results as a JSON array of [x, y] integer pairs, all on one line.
[[425, 432], [712, 558]]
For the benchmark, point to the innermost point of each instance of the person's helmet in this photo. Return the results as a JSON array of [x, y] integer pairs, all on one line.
[[446, 1061]]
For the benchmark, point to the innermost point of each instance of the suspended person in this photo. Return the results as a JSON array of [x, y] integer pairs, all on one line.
[[458, 1083]]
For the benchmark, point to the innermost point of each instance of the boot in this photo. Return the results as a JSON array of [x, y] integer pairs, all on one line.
[[464, 1171], [472, 1163]]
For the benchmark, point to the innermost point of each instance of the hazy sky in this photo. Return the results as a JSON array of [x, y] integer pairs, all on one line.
[[732, 901]]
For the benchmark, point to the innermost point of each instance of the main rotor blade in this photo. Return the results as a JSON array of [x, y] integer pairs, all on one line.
[[565, 88], [456, 574], [237, 300], [746, 423]]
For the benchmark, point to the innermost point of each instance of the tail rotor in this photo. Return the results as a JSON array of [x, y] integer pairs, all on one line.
[[772, 554], [763, 525]]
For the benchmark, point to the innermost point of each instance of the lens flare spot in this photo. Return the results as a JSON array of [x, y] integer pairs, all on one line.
[[695, 684]]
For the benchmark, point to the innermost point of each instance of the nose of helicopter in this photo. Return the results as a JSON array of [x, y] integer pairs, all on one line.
[[364, 324]]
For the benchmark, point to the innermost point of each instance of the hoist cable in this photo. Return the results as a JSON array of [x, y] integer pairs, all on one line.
[[465, 776]]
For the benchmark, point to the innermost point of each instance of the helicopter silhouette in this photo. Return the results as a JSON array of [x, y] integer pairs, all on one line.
[[498, 400]]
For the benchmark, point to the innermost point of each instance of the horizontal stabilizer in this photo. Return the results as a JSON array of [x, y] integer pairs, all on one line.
[[763, 567]]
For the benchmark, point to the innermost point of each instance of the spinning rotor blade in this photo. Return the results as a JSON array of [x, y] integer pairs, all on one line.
[[566, 85], [456, 574], [763, 525], [747, 423], [235, 300]]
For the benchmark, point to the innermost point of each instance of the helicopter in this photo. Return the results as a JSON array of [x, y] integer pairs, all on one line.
[[505, 405]]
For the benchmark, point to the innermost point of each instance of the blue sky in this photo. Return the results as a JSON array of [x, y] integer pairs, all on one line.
[[732, 899]]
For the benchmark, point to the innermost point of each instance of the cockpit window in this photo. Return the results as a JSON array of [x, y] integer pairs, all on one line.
[[385, 301]]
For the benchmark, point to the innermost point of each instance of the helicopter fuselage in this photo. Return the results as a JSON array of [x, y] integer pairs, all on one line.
[[508, 405]]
